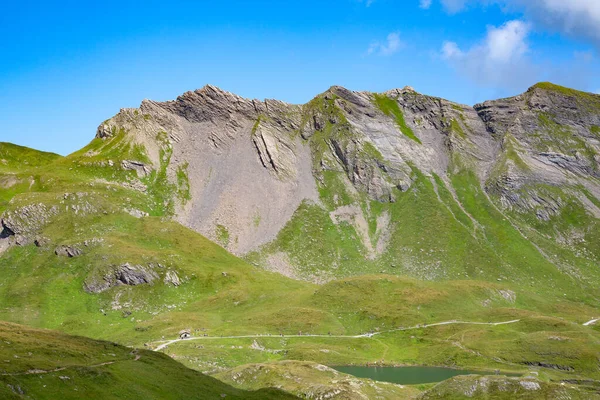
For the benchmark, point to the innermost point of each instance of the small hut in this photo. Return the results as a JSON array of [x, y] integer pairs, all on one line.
[[185, 334]]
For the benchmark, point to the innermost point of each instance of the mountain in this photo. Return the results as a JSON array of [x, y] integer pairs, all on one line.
[[396, 228], [352, 182]]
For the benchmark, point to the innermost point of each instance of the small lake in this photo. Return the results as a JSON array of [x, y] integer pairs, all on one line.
[[408, 375]]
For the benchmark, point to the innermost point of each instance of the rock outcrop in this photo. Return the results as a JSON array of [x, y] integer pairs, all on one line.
[[68, 251], [126, 274], [140, 168], [172, 278], [548, 138], [24, 223]]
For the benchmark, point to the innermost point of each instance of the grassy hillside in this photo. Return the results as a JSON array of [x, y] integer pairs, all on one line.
[[15, 157], [41, 364], [15, 161], [215, 293], [473, 239]]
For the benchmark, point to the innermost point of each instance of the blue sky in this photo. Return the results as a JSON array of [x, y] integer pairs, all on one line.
[[66, 67]]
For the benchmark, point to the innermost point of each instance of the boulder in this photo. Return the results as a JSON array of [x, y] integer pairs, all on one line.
[[140, 168], [172, 278], [126, 274], [68, 251]]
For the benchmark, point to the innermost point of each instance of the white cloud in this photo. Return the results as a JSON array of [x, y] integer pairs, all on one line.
[[450, 51], [576, 18], [500, 59], [425, 4], [580, 18], [389, 47], [507, 43]]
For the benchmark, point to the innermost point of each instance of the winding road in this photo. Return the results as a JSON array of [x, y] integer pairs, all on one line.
[[365, 335]]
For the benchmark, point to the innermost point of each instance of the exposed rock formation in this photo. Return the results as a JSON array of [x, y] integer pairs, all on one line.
[[25, 222], [547, 137], [68, 251], [125, 274], [140, 168], [243, 162], [172, 278]]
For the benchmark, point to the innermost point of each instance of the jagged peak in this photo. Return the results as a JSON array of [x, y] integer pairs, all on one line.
[[336, 90], [223, 99], [207, 92], [213, 88], [211, 92], [348, 94], [217, 97], [340, 92], [215, 91], [399, 91], [211, 102]]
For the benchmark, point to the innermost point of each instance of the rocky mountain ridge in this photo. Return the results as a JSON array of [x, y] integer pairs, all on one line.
[[245, 172], [247, 165]]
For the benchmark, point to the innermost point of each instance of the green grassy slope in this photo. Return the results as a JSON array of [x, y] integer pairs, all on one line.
[[222, 295], [15, 164], [472, 240], [444, 228], [15, 157], [41, 364]]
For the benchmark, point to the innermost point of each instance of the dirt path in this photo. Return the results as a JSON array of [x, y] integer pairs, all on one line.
[[365, 335]]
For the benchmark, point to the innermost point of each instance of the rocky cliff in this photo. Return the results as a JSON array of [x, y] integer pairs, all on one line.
[[244, 169]]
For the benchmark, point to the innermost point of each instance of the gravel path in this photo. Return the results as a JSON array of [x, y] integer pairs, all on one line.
[[365, 335]]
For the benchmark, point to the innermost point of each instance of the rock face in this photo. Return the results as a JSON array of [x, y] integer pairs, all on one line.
[[68, 251], [550, 134], [20, 226], [248, 165], [24, 222], [125, 274], [140, 168], [172, 278], [247, 170]]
